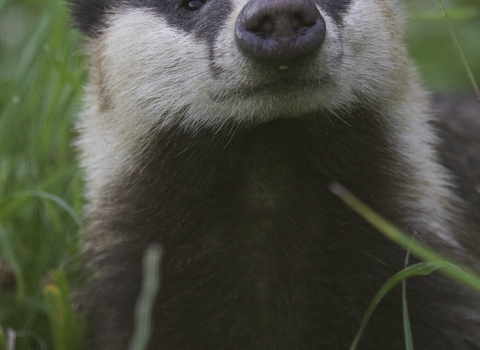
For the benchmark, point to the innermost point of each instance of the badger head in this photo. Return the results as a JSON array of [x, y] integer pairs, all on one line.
[[209, 63], [201, 62]]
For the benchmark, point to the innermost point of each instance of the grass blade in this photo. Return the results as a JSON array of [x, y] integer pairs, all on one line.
[[460, 50], [67, 332], [407, 328], [144, 307], [51, 197], [9, 252], [420, 269], [457, 272]]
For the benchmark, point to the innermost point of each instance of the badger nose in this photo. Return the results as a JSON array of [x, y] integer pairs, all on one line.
[[279, 30]]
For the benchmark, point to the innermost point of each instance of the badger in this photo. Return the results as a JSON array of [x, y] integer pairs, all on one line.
[[215, 128]]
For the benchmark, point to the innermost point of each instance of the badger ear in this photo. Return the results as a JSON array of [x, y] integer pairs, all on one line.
[[88, 15]]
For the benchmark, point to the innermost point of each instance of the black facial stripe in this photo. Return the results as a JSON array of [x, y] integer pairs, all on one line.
[[335, 8], [204, 23], [89, 15]]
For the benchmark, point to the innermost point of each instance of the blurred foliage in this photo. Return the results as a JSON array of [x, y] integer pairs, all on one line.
[[41, 73], [432, 46]]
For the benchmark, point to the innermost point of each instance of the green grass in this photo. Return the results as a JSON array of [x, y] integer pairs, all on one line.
[[40, 185], [41, 74], [434, 50]]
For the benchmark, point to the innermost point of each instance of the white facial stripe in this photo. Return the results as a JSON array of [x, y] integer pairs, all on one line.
[[152, 71], [238, 5], [427, 190]]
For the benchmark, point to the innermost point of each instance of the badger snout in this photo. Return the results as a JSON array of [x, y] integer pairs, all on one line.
[[281, 30]]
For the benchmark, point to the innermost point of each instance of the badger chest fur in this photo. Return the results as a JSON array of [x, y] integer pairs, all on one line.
[[214, 128]]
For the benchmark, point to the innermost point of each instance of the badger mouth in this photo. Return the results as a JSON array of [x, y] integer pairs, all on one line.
[[283, 87]]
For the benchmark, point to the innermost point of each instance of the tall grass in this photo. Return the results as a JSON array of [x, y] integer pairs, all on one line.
[[40, 185], [41, 74]]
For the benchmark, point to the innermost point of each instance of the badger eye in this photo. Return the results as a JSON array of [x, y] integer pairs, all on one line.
[[193, 5]]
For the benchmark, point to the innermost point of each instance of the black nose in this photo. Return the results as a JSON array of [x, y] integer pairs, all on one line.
[[280, 30]]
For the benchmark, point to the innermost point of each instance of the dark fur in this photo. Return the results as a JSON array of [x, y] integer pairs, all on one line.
[[459, 127], [242, 273]]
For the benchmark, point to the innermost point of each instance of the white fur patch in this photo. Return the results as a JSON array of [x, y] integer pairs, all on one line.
[[427, 193]]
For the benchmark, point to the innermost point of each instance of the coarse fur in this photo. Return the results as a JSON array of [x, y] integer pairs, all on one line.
[[226, 162]]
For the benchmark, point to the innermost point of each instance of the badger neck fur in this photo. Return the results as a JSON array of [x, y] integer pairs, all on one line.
[[215, 127]]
